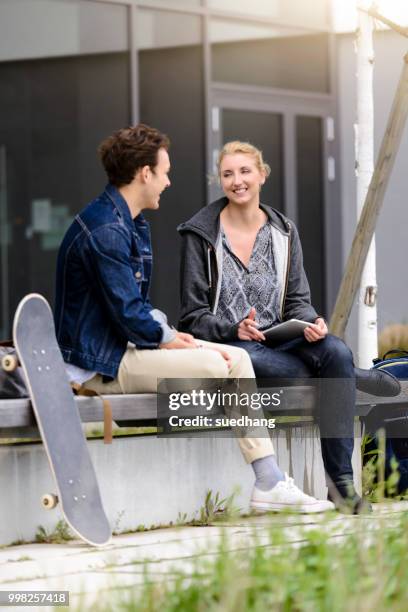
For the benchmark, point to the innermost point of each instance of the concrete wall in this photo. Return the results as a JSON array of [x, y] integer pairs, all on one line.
[[392, 225], [149, 480]]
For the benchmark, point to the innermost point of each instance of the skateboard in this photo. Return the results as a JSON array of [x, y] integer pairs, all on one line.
[[58, 421]]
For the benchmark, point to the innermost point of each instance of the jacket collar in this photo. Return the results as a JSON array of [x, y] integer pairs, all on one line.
[[123, 209], [206, 221]]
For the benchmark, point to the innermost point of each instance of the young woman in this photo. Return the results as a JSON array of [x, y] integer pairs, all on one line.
[[242, 271]]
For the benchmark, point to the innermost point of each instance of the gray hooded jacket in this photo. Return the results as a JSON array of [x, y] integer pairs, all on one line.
[[201, 273]]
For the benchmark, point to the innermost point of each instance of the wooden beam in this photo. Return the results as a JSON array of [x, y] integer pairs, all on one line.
[[372, 206], [391, 24]]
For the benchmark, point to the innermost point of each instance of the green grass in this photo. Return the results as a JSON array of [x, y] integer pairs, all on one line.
[[319, 574]]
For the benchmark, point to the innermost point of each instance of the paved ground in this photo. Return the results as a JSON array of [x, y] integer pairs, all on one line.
[[90, 573]]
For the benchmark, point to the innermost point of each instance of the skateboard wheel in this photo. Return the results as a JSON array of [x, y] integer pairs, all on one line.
[[9, 363], [49, 501]]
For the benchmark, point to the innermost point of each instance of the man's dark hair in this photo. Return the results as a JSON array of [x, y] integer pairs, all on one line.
[[129, 149]]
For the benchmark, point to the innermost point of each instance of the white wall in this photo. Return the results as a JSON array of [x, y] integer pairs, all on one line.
[[392, 239]]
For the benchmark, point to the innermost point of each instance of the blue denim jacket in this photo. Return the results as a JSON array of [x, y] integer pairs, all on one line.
[[103, 277]]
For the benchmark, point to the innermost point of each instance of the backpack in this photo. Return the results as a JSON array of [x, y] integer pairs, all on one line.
[[394, 420], [395, 365], [12, 384]]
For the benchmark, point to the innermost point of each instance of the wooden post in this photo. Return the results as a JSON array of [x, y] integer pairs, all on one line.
[[372, 206]]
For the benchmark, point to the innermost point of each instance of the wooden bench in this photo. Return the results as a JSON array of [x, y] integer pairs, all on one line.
[[138, 410]]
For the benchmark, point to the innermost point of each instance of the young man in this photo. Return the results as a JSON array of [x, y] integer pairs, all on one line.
[[111, 337]]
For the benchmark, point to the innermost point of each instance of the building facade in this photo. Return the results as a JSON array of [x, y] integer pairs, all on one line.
[[204, 72]]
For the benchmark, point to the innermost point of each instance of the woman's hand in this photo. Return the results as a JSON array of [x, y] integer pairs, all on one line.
[[316, 331], [247, 329]]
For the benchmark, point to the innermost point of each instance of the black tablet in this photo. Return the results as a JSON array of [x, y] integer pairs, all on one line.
[[283, 332]]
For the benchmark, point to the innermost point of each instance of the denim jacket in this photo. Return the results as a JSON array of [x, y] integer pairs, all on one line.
[[103, 277]]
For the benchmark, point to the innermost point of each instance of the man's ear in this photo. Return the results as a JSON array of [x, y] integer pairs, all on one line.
[[144, 173]]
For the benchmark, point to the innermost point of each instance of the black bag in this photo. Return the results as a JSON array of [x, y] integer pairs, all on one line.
[[393, 419], [395, 365], [12, 384]]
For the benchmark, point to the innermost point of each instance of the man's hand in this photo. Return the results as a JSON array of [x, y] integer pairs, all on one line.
[[181, 341], [187, 341], [316, 331], [247, 329], [187, 338]]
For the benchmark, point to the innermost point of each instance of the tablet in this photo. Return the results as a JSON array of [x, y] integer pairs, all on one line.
[[283, 332]]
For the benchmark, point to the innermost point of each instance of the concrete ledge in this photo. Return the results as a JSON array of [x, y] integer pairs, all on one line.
[[150, 480]]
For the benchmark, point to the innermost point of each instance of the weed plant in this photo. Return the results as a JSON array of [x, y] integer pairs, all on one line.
[[365, 570], [335, 566], [59, 535]]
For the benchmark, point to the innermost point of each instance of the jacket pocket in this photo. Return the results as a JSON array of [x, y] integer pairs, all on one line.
[[137, 268]]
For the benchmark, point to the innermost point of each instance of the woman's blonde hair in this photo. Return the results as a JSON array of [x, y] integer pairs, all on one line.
[[236, 146]]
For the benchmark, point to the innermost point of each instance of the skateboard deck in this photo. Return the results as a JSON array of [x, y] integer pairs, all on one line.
[[58, 420]]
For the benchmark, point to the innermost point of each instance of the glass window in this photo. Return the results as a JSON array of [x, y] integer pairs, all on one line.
[[54, 111], [172, 99], [310, 203], [55, 28], [268, 56]]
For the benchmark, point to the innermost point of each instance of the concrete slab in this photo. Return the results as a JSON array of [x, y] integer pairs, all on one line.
[[92, 575]]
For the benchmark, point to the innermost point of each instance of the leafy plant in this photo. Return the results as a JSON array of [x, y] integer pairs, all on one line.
[[377, 484], [215, 508], [181, 519], [60, 534]]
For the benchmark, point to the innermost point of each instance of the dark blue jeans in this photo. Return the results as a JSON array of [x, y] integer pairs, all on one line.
[[331, 361]]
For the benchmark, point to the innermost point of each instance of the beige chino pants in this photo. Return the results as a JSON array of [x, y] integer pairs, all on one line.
[[140, 369]]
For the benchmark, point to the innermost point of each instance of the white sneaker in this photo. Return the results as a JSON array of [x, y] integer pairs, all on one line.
[[287, 496]]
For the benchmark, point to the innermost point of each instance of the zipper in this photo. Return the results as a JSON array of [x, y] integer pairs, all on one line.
[[209, 265], [210, 247], [287, 270], [212, 285]]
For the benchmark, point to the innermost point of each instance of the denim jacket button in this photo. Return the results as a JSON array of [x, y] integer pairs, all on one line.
[[138, 274]]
